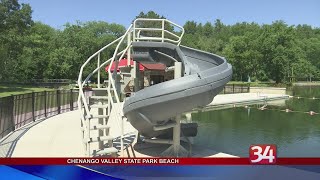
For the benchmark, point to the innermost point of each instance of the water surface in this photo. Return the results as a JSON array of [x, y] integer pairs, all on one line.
[[296, 134]]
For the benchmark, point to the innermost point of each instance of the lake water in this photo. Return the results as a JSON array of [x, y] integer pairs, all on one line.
[[296, 134]]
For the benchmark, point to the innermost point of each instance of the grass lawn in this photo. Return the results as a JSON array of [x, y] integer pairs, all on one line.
[[13, 89]]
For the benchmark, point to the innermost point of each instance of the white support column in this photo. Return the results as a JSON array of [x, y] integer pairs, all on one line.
[[135, 75], [177, 127], [134, 32], [177, 69], [162, 30], [176, 149], [88, 137], [122, 133], [129, 49], [98, 70]]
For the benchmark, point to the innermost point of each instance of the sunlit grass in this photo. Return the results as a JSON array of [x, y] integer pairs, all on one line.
[[14, 89], [257, 84]]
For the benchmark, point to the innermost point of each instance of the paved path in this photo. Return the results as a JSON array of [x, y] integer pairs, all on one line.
[[9, 142], [58, 136]]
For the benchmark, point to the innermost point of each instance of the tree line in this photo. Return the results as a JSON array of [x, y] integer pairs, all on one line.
[[268, 52], [262, 52]]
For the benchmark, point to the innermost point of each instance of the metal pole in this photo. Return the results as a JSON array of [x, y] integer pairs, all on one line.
[[58, 101], [12, 112], [162, 30], [45, 103], [134, 31], [135, 75], [71, 100], [129, 50], [32, 104], [98, 71], [122, 132], [176, 128]]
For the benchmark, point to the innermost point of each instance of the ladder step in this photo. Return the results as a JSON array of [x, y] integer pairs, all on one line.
[[165, 126], [103, 106], [125, 73], [99, 116], [99, 89], [99, 126], [101, 138], [109, 150], [99, 97]]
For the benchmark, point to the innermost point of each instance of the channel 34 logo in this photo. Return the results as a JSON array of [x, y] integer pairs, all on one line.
[[263, 154]]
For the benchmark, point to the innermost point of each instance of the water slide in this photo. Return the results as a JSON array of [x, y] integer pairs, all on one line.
[[203, 76]]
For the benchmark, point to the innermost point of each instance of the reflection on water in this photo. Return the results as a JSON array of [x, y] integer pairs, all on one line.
[[234, 130]]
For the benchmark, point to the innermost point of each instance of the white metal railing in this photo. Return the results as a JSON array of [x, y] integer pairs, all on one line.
[[80, 84], [111, 77], [132, 34], [82, 102], [137, 30]]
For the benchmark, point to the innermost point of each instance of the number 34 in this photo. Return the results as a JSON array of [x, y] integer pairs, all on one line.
[[262, 153]]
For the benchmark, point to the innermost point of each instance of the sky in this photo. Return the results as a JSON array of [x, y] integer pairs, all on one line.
[[56, 13]]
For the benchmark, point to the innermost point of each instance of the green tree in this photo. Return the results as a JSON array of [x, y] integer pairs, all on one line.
[[277, 43], [190, 27], [31, 50], [15, 22], [242, 52], [35, 53], [76, 43]]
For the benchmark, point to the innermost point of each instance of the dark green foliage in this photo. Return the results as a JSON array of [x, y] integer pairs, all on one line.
[[263, 52], [32, 50]]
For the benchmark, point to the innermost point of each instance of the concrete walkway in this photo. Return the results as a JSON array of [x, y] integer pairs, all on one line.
[[60, 135], [245, 99]]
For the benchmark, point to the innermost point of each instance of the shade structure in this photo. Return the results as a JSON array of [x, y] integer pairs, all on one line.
[[142, 66]]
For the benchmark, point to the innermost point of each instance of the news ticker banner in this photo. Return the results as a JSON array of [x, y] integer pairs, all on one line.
[[258, 154], [146, 168], [153, 161], [187, 172]]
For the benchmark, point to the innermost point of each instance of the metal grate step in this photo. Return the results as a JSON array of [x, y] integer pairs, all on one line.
[[99, 126], [99, 116], [99, 97], [101, 138], [99, 89], [104, 106]]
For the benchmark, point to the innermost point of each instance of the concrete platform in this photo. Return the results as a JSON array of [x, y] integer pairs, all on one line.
[[225, 100], [268, 90], [60, 136], [154, 150]]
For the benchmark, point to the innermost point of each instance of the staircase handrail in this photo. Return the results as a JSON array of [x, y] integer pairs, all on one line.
[[137, 37]]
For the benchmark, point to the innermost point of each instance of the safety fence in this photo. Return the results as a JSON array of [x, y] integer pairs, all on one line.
[[236, 88], [18, 110]]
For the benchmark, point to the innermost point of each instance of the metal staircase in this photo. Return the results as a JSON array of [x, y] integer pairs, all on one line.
[[101, 114]]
